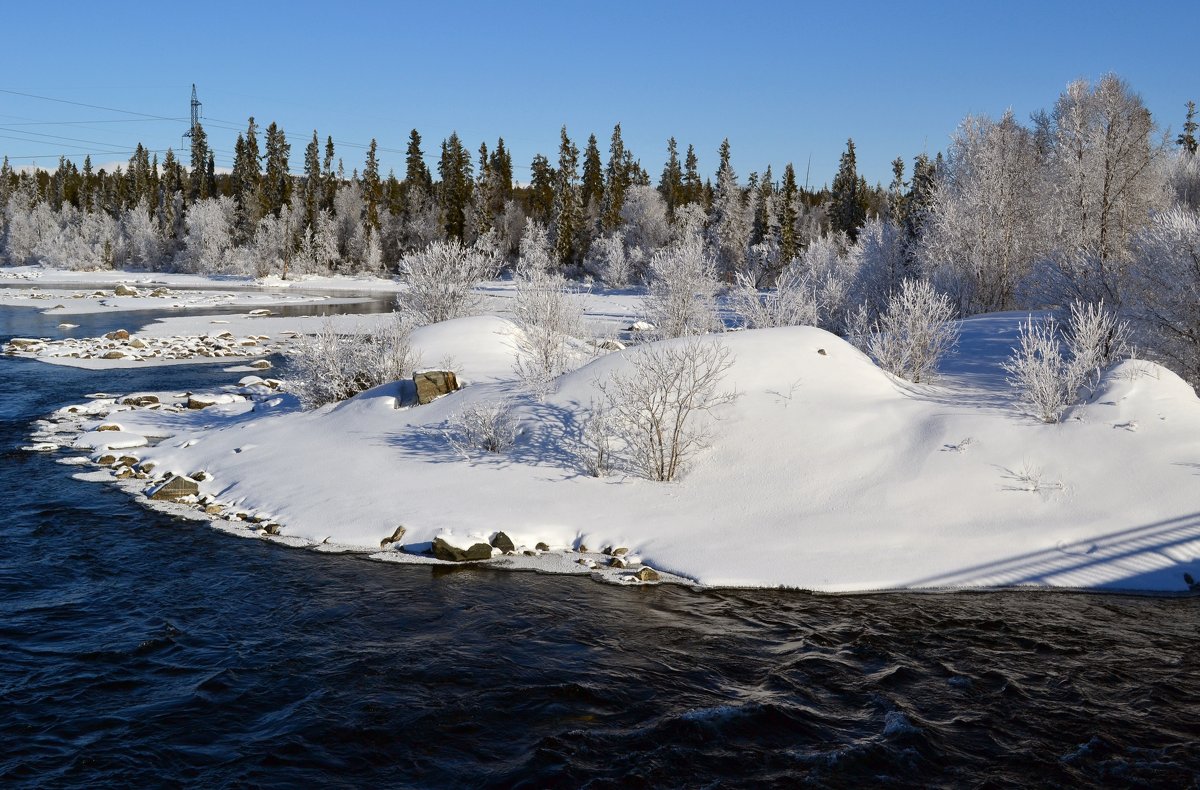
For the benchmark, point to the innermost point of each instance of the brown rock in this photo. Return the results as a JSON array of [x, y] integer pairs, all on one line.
[[444, 551], [542, 547], [140, 400], [175, 488], [395, 538], [503, 542], [119, 334], [433, 383], [109, 426], [647, 575]]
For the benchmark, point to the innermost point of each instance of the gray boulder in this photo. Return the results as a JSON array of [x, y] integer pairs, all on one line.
[[444, 551]]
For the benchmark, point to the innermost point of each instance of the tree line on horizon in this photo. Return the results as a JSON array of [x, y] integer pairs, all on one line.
[[1083, 201]]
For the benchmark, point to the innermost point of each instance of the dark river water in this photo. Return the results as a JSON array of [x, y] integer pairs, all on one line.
[[138, 650]]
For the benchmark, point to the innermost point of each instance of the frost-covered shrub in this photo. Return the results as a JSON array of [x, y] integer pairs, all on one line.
[[1095, 339], [1037, 368], [656, 408], [550, 318], [594, 450], [915, 331], [329, 367], [609, 260], [683, 289], [484, 426], [792, 302], [441, 280]]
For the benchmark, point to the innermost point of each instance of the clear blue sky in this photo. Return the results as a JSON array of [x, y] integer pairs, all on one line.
[[784, 81]]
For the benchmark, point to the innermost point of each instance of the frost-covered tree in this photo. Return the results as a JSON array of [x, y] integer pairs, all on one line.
[[209, 239], [329, 366], [142, 241], [683, 289], [1164, 290], [536, 253], [644, 217], [441, 280], [731, 221], [986, 226], [830, 267], [884, 263], [1105, 184]]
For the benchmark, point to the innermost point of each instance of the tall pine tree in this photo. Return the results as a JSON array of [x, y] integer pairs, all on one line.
[[846, 212], [568, 213]]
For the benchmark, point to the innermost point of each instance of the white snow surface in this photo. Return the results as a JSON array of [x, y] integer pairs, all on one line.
[[825, 473]]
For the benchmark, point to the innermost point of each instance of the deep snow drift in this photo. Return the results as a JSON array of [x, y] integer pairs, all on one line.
[[824, 473]]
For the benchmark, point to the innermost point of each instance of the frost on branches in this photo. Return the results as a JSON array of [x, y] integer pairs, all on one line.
[[1049, 371], [683, 289], [329, 367], [441, 280], [914, 333]]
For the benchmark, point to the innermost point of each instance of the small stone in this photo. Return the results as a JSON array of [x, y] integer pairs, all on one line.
[[395, 538], [529, 553], [140, 400], [106, 460], [433, 383], [125, 290], [114, 355], [821, 351], [542, 547], [620, 552], [213, 510], [616, 562], [109, 426], [646, 574], [119, 334], [272, 528], [583, 549], [200, 476]]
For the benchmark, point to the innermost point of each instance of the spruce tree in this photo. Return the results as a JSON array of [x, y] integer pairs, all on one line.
[[276, 183], [693, 188], [593, 175], [670, 185], [765, 220], [416, 174], [455, 189], [87, 193], [896, 191], [313, 186], [616, 177], [199, 163], [568, 213], [502, 172], [372, 189], [327, 177], [541, 189], [1187, 138], [846, 212], [919, 200], [789, 241]]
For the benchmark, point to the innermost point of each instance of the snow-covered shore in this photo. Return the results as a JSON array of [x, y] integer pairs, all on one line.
[[825, 473]]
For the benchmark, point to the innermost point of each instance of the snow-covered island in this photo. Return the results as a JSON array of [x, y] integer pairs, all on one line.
[[819, 470]]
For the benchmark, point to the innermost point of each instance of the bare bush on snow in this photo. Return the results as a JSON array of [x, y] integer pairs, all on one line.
[[658, 406]]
